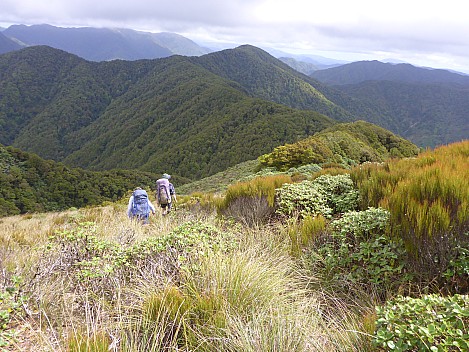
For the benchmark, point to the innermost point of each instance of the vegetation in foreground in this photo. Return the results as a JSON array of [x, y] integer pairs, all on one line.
[[319, 263]]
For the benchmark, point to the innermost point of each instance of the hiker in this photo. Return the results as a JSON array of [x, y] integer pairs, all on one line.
[[165, 193], [140, 206]]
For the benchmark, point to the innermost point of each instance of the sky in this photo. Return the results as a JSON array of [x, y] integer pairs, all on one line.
[[421, 32]]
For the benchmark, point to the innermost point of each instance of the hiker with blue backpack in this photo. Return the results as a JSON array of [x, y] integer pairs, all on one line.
[[165, 193], [140, 206]]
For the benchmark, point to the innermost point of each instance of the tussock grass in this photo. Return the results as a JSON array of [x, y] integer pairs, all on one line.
[[249, 298]]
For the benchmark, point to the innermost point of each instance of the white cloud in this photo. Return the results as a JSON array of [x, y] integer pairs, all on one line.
[[431, 32]]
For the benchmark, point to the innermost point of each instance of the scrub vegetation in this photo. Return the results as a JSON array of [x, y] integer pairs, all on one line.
[[365, 257]]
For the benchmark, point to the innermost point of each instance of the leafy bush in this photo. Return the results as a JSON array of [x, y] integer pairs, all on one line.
[[94, 265], [326, 195], [428, 323], [305, 169], [359, 252], [294, 155], [302, 199], [340, 192], [456, 275], [11, 299], [358, 226]]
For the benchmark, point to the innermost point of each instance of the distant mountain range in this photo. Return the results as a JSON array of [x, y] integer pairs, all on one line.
[[199, 114], [7, 44], [103, 44], [427, 106], [178, 113], [361, 71]]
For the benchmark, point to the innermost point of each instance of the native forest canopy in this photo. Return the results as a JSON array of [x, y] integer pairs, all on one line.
[[193, 115], [426, 106]]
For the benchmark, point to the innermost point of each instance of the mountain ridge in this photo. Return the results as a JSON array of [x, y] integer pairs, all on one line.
[[151, 114], [426, 106], [196, 115], [360, 71]]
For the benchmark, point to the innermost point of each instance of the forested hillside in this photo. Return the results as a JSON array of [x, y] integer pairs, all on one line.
[[149, 114], [428, 107], [361, 71], [191, 116], [426, 114], [30, 184], [343, 144]]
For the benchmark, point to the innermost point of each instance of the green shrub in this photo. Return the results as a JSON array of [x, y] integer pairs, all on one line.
[[95, 265], [428, 323], [305, 170], [304, 152], [11, 300], [358, 226], [302, 199], [326, 195], [340, 192], [456, 275], [358, 252]]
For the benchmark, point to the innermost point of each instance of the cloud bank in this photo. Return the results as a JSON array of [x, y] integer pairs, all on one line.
[[428, 33]]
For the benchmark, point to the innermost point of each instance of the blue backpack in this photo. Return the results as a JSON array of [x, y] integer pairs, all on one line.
[[140, 204]]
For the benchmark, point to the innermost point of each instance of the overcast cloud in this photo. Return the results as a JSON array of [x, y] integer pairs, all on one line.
[[422, 32]]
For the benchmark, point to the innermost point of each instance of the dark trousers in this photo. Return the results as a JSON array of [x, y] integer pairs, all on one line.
[[143, 218]]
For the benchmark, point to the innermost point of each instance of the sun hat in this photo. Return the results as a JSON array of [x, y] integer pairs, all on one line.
[[166, 176]]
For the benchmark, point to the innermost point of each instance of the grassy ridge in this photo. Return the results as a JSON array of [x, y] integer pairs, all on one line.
[[93, 280]]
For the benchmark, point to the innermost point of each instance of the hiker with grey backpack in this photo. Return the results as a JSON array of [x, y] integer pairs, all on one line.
[[165, 193], [140, 206]]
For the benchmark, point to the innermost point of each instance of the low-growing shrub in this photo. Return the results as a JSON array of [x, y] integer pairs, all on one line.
[[94, 266], [326, 195], [11, 299], [340, 192], [358, 252], [428, 323], [302, 199]]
